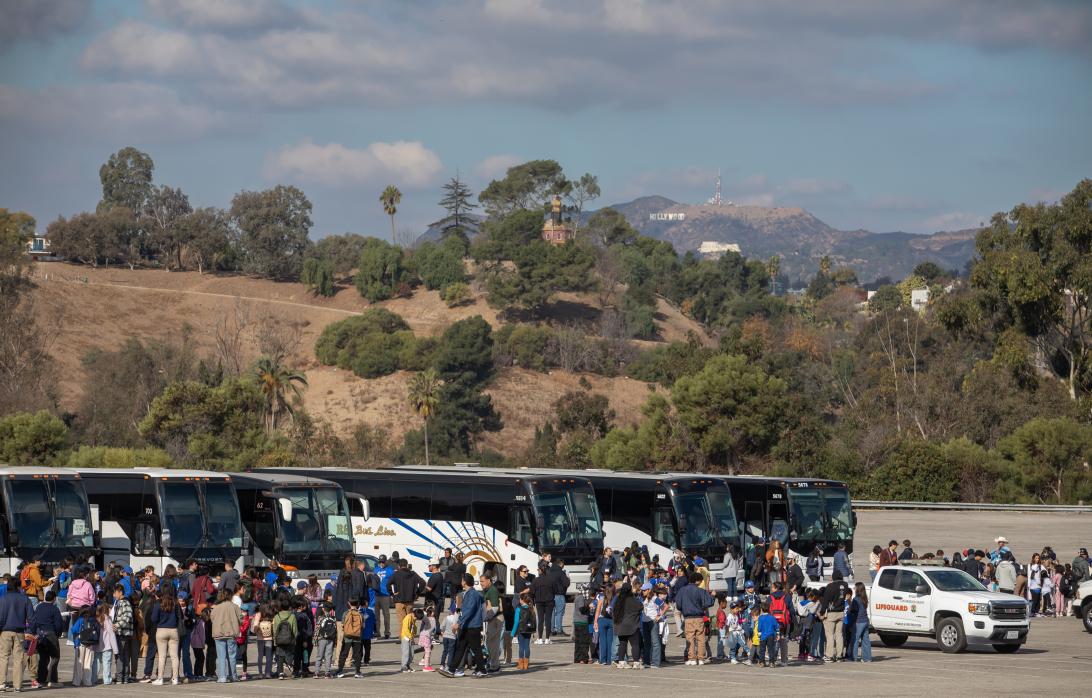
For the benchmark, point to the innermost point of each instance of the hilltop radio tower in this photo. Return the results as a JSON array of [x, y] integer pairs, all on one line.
[[717, 200]]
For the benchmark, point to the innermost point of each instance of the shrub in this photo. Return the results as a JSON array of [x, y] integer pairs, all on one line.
[[106, 457], [31, 439], [342, 342], [521, 345], [456, 294]]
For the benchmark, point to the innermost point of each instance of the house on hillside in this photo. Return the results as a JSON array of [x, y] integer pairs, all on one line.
[[556, 230], [38, 248], [710, 249], [919, 298]]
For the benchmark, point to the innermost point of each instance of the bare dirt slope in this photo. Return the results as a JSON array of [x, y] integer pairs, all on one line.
[[100, 308]]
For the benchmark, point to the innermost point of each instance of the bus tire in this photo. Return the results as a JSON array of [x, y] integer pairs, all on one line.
[[893, 639]]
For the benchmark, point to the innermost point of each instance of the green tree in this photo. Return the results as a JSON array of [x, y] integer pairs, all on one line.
[[424, 396], [908, 285], [380, 271], [773, 268], [916, 471], [318, 276], [579, 411], [1051, 457], [438, 266], [660, 442], [1036, 268], [341, 251], [277, 383], [126, 180], [732, 407], [273, 225], [113, 457], [541, 271], [526, 186], [930, 271], [165, 210], [31, 439], [341, 342], [580, 192], [456, 294], [206, 238], [390, 198], [887, 299], [457, 203], [608, 227], [16, 230]]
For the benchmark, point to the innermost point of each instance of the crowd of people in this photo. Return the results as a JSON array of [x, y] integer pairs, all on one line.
[[186, 625]]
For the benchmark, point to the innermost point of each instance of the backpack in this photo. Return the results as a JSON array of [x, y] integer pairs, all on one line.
[[327, 629], [286, 637], [353, 626], [779, 609], [244, 628], [371, 580], [304, 624], [90, 632], [246, 590], [265, 628]]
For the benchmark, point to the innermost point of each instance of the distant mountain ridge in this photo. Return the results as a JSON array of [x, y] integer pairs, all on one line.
[[798, 237]]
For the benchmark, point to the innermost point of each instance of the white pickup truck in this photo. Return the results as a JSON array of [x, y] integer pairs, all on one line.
[[926, 599], [1084, 603]]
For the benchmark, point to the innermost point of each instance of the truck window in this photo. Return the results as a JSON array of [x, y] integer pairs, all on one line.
[[909, 581], [887, 579]]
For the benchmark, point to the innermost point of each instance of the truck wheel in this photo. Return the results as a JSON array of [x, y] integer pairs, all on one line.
[[893, 639], [1086, 616], [1006, 649], [950, 636]]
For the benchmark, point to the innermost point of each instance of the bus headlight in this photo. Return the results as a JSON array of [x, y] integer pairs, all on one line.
[[979, 609]]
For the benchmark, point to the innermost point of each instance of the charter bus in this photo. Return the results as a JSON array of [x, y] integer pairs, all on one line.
[[800, 513], [666, 512], [161, 516], [498, 519], [44, 514], [298, 520]]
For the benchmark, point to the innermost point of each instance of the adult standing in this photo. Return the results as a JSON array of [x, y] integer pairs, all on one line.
[[874, 562], [468, 632], [907, 551], [1006, 574], [861, 639], [350, 585], [627, 625], [889, 556], [732, 563], [794, 575], [1035, 582], [542, 591], [693, 602], [434, 587], [1081, 568], [403, 589], [454, 578], [841, 562], [521, 583], [493, 621], [47, 625], [383, 598], [447, 590], [832, 613], [165, 617], [121, 615], [775, 563], [229, 578], [561, 586], [227, 620]]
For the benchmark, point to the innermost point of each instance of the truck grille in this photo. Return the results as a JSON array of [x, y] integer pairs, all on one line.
[[1012, 610]]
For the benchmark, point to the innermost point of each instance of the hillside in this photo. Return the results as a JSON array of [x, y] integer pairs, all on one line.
[[100, 308], [798, 237]]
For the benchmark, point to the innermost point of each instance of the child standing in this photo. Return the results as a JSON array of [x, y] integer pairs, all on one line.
[[263, 630], [305, 627], [737, 639], [241, 644], [107, 646], [753, 633], [722, 626], [426, 632], [86, 634], [368, 614], [769, 635], [325, 639], [352, 634], [447, 632], [285, 631], [407, 635], [197, 644], [522, 627]]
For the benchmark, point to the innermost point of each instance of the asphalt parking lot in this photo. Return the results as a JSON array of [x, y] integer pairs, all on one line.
[[1056, 661]]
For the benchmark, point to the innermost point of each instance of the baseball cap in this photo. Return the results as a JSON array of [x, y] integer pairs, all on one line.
[[435, 561], [382, 558], [301, 584], [1083, 551], [749, 584], [182, 596], [699, 561], [647, 586], [127, 569]]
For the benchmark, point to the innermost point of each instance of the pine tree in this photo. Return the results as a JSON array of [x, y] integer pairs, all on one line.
[[457, 203]]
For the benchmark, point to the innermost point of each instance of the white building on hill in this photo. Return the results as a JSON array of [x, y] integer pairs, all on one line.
[[715, 250]]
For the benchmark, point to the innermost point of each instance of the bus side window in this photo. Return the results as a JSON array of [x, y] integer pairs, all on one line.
[[144, 538], [522, 530], [663, 527]]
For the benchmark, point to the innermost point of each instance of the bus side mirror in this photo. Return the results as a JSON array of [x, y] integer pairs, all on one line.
[[13, 538], [854, 520], [365, 508], [285, 505]]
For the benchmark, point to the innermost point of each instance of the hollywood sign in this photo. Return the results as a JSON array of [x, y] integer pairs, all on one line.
[[667, 216]]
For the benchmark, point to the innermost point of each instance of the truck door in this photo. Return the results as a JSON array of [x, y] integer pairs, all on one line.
[[913, 600], [882, 599]]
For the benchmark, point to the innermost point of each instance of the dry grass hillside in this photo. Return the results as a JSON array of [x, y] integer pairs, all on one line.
[[100, 308]]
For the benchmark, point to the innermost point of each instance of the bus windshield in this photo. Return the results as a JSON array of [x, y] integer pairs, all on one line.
[[73, 514], [315, 515], [30, 512], [182, 514], [821, 515], [707, 519], [224, 526], [569, 518]]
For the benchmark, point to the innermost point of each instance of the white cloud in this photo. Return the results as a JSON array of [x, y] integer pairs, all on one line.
[[495, 166], [403, 163], [227, 15], [955, 220], [40, 19], [138, 48], [133, 110]]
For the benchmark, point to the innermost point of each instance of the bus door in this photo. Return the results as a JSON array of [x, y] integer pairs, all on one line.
[[754, 527], [778, 512], [522, 527], [663, 526]]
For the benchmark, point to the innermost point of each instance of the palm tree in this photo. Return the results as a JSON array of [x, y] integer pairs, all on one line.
[[773, 267], [424, 396], [390, 198], [276, 383]]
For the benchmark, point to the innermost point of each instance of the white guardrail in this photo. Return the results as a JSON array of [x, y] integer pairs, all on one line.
[[970, 506]]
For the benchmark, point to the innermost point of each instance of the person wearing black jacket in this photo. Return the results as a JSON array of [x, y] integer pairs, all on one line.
[[832, 611], [542, 591], [561, 587], [434, 587], [453, 578], [794, 576], [627, 625], [972, 565], [405, 587], [522, 582]]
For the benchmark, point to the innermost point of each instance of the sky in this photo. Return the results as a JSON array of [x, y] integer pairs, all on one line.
[[915, 116]]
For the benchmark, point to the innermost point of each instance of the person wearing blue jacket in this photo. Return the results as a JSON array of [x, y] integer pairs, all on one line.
[[383, 596], [48, 625], [468, 633], [769, 633], [692, 602], [15, 616]]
